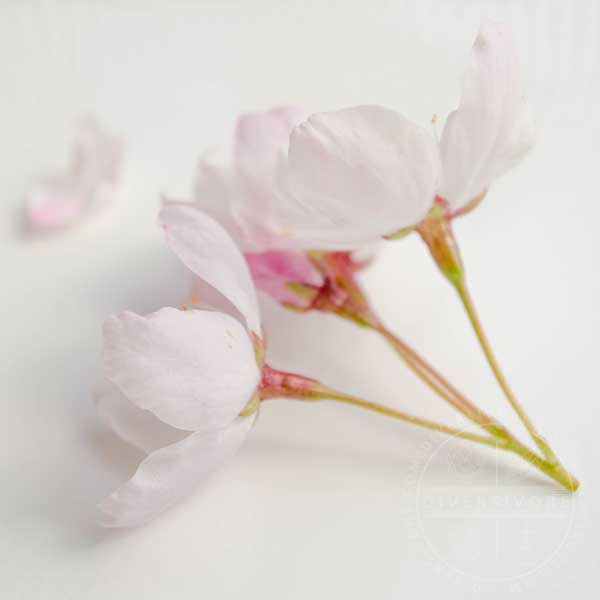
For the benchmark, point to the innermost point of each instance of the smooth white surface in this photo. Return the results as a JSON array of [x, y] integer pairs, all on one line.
[[323, 501]]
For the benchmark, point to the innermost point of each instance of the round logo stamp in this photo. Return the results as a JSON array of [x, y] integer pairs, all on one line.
[[485, 516]]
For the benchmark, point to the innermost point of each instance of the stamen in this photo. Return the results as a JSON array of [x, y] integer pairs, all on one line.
[[434, 120]]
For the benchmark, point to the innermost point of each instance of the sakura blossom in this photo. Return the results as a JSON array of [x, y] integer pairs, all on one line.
[[240, 193], [363, 173], [285, 213], [176, 382], [184, 384]]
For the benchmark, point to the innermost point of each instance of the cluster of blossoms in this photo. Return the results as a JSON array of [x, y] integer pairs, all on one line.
[[294, 212]]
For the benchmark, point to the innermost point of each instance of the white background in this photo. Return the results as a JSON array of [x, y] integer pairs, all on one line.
[[323, 501]]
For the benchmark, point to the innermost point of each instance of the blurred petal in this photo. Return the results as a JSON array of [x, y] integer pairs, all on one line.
[[56, 202], [171, 473], [273, 271], [492, 129], [97, 152], [208, 251], [260, 136], [137, 427], [193, 369], [63, 199], [239, 204], [356, 175], [216, 190]]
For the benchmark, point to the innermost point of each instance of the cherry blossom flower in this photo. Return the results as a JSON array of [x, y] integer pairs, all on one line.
[[241, 195], [89, 183], [363, 173], [182, 385]]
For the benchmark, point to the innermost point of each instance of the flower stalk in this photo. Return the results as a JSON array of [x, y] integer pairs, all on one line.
[[436, 232], [342, 295], [277, 384]]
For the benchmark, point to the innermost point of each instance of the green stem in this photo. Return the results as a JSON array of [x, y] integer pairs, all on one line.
[[467, 301], [555, 471], [322, 392], [437, 233], [438, 383]]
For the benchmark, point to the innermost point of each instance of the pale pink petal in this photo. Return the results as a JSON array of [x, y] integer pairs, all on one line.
[[260, 136], [168, 475], [208, 251], [216, 191], [240, 194], [90, 182], [136, 426], [240, 204], [260, 139], [356, 175], [273, 271], [97, 153], [492, 129], [56, 202], [194, 369]]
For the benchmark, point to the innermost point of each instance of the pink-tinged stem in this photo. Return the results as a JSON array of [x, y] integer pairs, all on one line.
[[278, 384], [439, 384]]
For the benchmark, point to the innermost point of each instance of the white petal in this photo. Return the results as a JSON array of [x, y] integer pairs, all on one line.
[[492, 129], [208, 251], [216, 190], [260, 139], [357, 175], [260, 136], [136, 426], [193, 369], [171, 473], [240, 202]]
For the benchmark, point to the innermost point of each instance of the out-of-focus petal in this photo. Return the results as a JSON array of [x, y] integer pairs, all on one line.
[[97, 153], [171, 473], [56, 202], [136, 426], [492, 129], [260, 139], [273, 271], [90, 182], [207, 250], [260, 136], [356, 175], [193, 369], [216, 191], [239, 203]]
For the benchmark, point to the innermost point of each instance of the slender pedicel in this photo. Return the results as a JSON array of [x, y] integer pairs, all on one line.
[[343, 296], [437, 382], [437, 233], [277, 384]]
